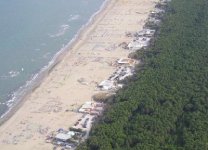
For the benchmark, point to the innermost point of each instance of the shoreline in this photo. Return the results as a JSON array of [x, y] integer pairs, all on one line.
[[35, 81], [51, 90]]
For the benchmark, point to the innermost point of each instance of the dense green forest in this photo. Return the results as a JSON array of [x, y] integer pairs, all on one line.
[[166, 106]]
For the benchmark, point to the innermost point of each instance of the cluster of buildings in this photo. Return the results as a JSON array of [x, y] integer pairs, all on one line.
[[69, 139], [125, 68], [92, 108], [142, 39], [64, 138]]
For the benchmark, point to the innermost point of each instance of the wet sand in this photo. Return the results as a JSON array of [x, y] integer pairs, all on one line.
[[49, 106]]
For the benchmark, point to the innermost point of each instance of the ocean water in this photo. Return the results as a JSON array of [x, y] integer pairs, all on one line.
[[32, 32]]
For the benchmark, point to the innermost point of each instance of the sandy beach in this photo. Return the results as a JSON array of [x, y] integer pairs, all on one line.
[[90, 60]]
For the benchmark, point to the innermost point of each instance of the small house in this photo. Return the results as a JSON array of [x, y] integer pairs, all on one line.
[[107, 85], [87, 107]]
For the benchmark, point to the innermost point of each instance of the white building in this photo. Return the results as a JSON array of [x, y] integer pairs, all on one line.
[[126, 61], [107, 85], [63, 137], [139, 43], [146, 32], [87, 107]]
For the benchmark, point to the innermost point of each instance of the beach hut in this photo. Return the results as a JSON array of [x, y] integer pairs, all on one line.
[[145, 33], [87, 107], [154, 21], [139, 43], [135, 45], [126, 61], [71, 133], [127, 74], [107, 85], [63, 137]]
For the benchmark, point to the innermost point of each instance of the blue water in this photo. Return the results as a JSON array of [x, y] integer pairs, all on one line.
[[31, 33]]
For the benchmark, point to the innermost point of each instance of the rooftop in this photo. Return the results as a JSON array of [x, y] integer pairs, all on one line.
[[63, 136]]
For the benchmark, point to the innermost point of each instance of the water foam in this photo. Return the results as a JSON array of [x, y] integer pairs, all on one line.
[[74, 17], [62, 30]]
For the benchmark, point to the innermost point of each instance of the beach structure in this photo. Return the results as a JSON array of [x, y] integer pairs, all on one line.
[[126, 61], [162, 4], [155, 15], [87, 107], [63, 137], [126, 72], [165, 1], [80, 131], [71, 133], [107, 85], [137, 44], [120, 74], [67, 140], [95, 113], [145, 33], [154, 20], [157, 11]]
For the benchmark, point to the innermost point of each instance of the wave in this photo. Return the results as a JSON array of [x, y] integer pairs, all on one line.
[[62, 30], [11, 74], [74, 17], [46, 55]]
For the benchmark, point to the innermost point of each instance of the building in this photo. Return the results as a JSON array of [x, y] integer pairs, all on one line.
[[107, 85], [139, 43], [87, 107], [146, 33], [63, 137], [126, 61]]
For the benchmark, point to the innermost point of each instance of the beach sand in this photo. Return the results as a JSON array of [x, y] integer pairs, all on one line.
[[49, 106]]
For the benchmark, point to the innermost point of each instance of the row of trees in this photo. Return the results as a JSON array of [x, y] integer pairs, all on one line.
[[166, 107]]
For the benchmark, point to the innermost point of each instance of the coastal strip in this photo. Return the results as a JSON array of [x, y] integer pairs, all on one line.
[[91, 57], [18, 97]]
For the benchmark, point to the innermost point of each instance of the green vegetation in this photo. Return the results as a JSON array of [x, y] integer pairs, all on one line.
[[166, 107]]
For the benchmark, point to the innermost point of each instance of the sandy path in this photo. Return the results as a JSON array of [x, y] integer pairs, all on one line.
[[90, 58]]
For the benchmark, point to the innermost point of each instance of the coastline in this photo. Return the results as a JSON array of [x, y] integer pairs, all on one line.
[[72, 52], [32, 84]]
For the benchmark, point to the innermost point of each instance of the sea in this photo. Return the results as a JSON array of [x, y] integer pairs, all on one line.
[[32, 35]]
